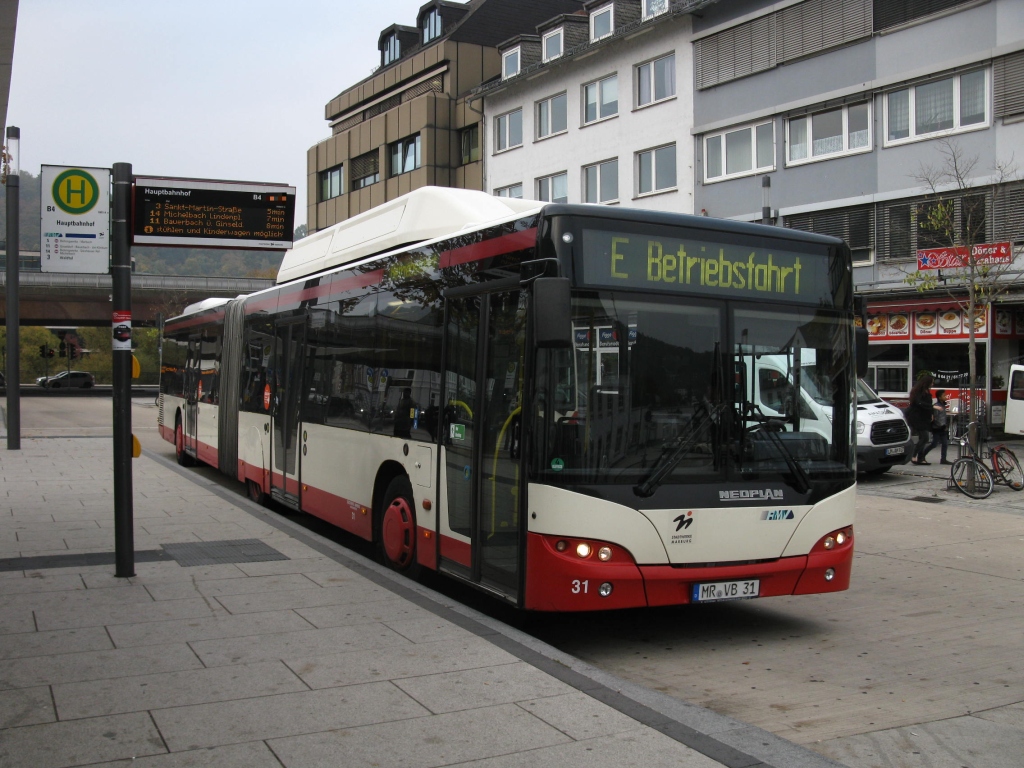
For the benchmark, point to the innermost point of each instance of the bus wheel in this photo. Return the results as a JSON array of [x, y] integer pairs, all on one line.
[[256, 492], [179, 447], [398, 528]]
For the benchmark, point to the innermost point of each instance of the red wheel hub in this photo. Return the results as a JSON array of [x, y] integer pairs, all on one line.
[[398, 532]]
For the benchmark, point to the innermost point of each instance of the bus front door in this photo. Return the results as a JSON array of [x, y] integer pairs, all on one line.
[[286, 391], [480, 525], [190, 428]]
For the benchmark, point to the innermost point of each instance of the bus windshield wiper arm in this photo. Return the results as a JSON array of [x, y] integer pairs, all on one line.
[[674, 451], [802, 481]]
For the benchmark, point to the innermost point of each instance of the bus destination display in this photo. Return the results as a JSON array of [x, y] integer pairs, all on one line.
[[197, 213], [685, 265]]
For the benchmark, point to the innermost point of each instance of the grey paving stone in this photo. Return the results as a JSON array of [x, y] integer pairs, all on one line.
[[254, 754], [207, 628], [397, 662], [76, 600], [424, 742], [16, 621], [126, 614], [286, 714], [26, 706], [579, 715], [304, 598], [78, 742], [310, 565], [385, 610], [427, 629], [469, 689], [173, 689], [309, 642], [55, 642], [95, 665], [43, 583], [217, 587], [640, 747]]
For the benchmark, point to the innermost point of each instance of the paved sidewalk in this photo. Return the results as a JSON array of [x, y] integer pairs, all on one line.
[[315, 657]]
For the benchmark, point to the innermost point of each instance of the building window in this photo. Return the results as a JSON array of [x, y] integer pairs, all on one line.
[[331, 183], [656, 80], [833, 132], [553, 189], [515, 190], [656, 170], [855, 225], [510, 64], [601, 23], [552, 116], [601, 182], [365, 170], [552, 44], [393, 50], [508, 131], [469, 140], [431, 25], [601, 99], [746, 150], [405, 155], [654, 7], [958, 103]]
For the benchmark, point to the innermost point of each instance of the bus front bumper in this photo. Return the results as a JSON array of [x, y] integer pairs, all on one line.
[[558, 581]]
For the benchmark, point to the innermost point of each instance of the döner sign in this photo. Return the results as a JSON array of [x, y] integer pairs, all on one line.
[[962, 256]]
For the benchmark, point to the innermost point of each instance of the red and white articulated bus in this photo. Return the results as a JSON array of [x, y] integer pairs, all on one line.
[[567, 406]]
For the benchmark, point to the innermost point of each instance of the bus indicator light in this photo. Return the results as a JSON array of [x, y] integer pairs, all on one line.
[[266, 397]]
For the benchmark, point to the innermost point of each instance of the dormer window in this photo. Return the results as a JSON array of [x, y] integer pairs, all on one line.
[[552, 45], [510, 64], [654, 7], [431, 25], [601, 23], [393, 50]]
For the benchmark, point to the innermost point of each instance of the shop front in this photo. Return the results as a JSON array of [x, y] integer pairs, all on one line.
[[913, 335]]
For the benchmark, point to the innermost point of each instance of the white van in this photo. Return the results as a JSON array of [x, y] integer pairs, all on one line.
[[883, 437], [1014, 424]]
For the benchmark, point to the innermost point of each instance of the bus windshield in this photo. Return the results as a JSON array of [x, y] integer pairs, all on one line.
[[666, 390]]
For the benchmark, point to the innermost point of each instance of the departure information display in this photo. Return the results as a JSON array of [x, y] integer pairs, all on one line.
[[201, 213]]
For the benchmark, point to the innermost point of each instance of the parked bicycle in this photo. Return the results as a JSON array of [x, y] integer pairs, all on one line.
[[973, 477]]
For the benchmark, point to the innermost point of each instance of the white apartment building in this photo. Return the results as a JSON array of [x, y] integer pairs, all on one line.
[[596, 107]]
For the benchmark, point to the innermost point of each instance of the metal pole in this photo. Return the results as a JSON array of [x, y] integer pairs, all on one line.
[[13, 182], [766, 208], [121, 279]]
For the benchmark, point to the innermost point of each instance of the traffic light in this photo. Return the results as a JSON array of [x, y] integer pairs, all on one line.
[[42, 350], [74, 352], [63, 349], [50, 352]]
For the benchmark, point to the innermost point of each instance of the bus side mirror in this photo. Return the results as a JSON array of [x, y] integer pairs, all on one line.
[[860, 347], [552, 315]]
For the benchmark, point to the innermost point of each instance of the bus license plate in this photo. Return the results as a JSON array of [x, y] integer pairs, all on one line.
[[717, 591], [894, 451]]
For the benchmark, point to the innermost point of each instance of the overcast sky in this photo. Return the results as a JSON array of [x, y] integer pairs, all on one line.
[[219, 89]]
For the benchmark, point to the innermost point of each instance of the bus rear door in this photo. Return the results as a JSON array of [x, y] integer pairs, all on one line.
[[286, 377], [480, 524]]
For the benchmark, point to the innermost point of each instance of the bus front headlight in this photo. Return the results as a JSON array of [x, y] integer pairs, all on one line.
[[860, 427]]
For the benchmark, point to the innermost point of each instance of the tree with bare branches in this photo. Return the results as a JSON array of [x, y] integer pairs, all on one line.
[[953, 217]]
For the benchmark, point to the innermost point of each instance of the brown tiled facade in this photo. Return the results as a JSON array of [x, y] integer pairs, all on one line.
[[421, 94]]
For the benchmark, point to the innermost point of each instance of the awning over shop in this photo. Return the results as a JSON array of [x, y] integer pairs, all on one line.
[[937, 304]]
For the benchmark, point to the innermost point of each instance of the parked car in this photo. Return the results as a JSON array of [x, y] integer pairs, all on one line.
[[67, 380]]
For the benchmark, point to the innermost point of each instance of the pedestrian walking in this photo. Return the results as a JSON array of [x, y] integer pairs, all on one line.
[[940, 430], [919, 416]]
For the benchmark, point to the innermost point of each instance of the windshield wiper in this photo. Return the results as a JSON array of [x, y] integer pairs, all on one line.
[[802, 481], [674, 451]]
